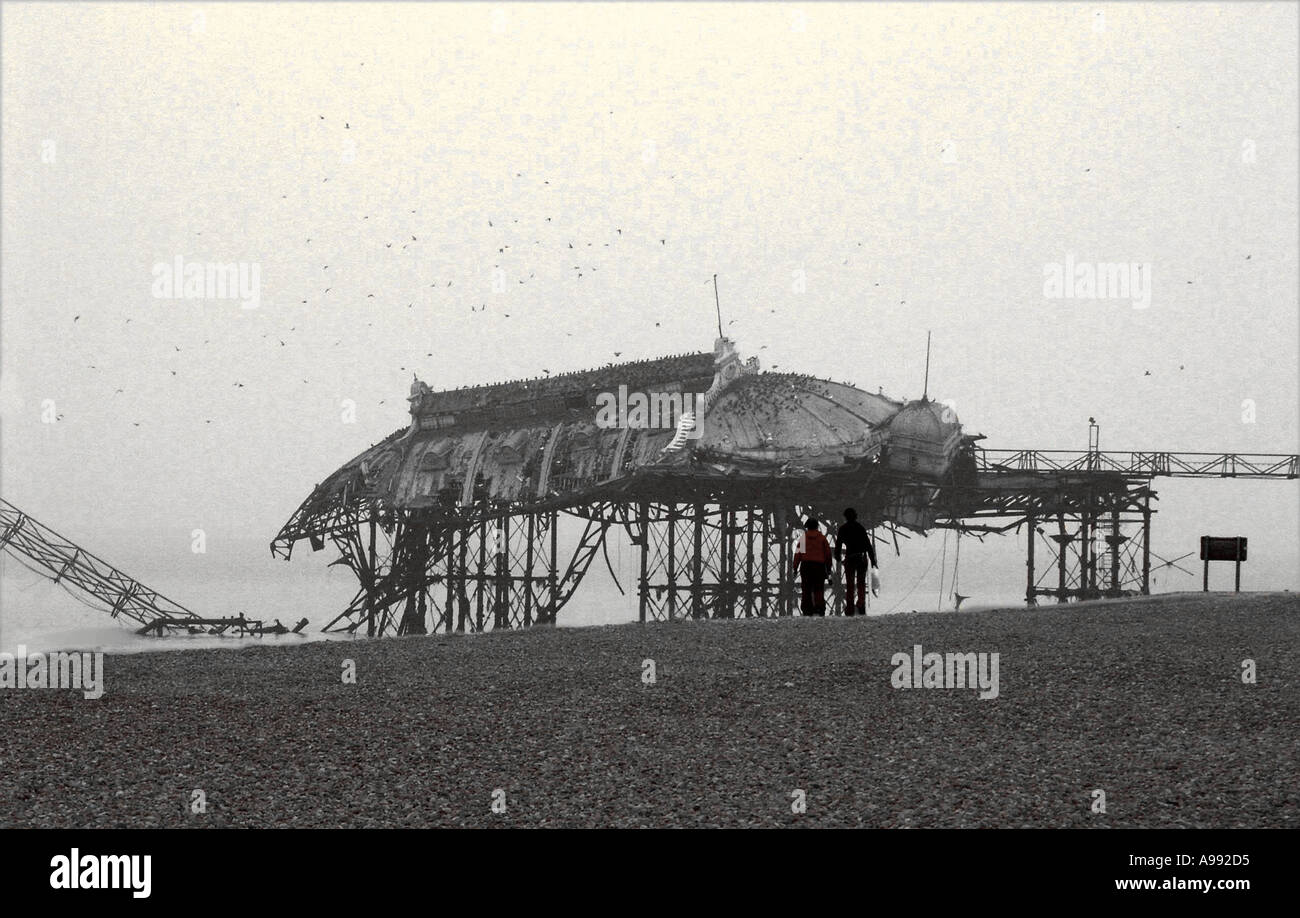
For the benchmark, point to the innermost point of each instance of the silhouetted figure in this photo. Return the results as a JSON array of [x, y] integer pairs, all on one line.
[[854, 540], [813, 559]]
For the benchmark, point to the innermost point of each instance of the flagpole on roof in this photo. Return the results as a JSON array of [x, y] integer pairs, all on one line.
[[926, 389], [718, 304]]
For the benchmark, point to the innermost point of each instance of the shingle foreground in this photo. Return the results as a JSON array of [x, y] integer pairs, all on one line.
[[1143, 699]]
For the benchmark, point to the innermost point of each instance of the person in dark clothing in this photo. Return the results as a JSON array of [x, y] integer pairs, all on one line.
[[813, 559], [855, 542]]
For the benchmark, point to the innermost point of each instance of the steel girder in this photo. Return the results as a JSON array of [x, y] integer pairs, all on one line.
[[490, 569]]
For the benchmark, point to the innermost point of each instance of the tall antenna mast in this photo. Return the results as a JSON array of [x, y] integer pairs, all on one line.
[[718, 304], [926, 393]]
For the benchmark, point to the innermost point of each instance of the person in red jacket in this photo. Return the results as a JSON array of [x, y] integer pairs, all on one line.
[[812, 557]]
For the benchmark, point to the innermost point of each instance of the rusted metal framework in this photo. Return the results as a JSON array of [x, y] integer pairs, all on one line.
[[99, 585], [90, 579], [710, 561], [1139, 464], [717, 560], [452, 524], [1087, 513], [1089, 534], [483, 569]]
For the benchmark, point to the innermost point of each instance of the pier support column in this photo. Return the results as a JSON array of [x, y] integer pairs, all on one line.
[[1031, 597], [1146, 543], [697, 565], [672, 561], [528, 569], [643, 582]]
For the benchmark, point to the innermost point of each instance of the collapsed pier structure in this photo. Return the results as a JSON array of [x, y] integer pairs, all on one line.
[[99, 585], [708, 465], [451, 523]]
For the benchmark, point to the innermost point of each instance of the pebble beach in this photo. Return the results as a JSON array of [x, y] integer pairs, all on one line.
[[789, 722]]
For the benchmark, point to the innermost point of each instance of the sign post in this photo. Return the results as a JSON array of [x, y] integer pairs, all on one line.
[[1222, 549]]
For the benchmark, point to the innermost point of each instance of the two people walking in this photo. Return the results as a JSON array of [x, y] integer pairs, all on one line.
[[854, 553]]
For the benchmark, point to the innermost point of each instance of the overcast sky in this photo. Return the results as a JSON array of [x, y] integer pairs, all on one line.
[[855, 174]]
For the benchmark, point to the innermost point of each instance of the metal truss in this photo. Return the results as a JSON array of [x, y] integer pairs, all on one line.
[[90, 579], [1140, 464], [711, 561], [487, 569], [719, 545], [1089, 536]]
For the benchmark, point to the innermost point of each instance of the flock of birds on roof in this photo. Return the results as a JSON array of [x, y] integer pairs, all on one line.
[[631, 366]]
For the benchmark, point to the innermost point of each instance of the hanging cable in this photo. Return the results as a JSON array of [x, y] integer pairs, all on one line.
[[956, 567], [942, 564], [925, 573], [604, 550]]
